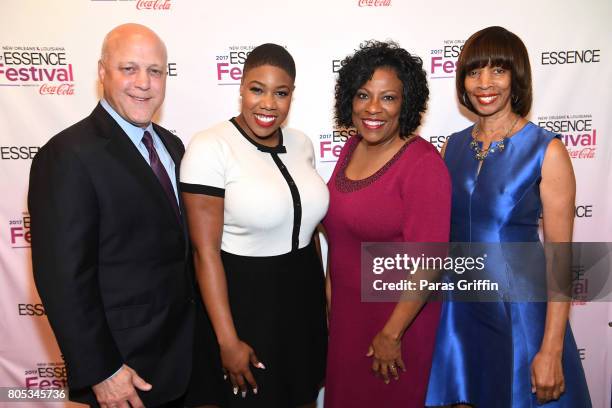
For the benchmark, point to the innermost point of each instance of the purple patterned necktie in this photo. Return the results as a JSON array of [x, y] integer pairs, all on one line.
[[160, 172]]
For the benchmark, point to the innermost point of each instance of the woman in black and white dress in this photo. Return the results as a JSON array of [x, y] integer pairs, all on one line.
[[253, 201]]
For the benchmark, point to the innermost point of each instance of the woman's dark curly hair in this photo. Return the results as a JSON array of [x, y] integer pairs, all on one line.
[[359, 68]]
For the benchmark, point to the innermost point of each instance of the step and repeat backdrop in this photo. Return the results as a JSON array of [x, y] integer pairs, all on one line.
[[48, 80]]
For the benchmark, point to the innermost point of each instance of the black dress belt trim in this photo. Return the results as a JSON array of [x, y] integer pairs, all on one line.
[[297, 203], [201, 189]]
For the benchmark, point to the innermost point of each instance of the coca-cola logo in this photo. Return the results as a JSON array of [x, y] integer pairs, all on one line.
[[374, 3], [586, 153], [61, 89], [153, 4]]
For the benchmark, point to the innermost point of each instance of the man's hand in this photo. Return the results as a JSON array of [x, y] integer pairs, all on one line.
[[118, 390]]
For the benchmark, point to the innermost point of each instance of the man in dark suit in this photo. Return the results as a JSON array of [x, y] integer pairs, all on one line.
[[110, 250]]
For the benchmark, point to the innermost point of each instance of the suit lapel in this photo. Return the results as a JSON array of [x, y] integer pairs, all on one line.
[[122, 148]]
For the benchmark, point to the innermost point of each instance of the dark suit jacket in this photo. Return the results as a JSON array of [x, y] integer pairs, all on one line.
[[111, 261]]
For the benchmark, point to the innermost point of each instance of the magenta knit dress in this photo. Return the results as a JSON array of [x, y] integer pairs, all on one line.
[[408, 199]]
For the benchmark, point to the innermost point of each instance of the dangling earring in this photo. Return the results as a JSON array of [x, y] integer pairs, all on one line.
[[465, 102], [515, 99]]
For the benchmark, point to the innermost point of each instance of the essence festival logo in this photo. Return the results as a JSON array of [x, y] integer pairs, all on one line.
[[18, 152], [562, 57], [331, 143], [229, 64], [31, 309], [159, 5], [578, 133], [172, 70], [374, 3], [19, 232], [438, 141], [47, 68], [443, 62], [584, 211], [580, 286], [46, 376], [336, 65]]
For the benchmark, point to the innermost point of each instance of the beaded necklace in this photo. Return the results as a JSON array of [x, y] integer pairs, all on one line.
[[481, 153]]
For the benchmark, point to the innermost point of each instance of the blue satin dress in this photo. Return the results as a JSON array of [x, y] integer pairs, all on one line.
[[484, 350]]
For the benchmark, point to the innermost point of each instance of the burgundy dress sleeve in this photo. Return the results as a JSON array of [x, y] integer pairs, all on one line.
[[427, 192]]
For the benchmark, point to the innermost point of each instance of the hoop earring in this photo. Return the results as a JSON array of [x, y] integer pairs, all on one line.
[[465, 101]]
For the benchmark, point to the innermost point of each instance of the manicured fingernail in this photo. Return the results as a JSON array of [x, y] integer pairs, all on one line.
[[255, 391], [260, 365], [235, 390], [244, 394]]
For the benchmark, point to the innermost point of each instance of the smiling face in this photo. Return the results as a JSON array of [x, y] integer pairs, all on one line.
[[377, 106], [266, 93], [132, 71], [489, 90]]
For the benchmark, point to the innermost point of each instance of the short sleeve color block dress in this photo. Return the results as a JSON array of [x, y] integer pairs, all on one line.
[[273, 201]]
